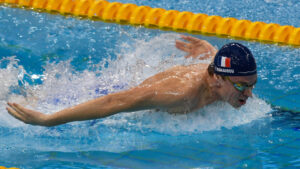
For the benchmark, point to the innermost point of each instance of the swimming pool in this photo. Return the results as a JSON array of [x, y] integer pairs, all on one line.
[[49, 62]]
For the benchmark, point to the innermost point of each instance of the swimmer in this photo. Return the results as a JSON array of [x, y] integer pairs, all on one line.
[[230, 78]]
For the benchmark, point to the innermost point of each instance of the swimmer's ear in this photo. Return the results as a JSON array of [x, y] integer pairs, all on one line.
[[220, 78], [218, 81]]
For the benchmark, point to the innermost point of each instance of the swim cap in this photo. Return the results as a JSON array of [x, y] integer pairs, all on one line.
[[234, 59]]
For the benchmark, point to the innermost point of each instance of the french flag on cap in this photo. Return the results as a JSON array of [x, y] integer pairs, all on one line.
[[225, 62]]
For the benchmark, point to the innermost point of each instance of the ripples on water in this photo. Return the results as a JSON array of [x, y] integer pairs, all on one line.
[[50, 62]]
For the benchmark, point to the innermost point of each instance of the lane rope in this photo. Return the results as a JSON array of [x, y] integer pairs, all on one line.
[[166, 19], [1, 167]]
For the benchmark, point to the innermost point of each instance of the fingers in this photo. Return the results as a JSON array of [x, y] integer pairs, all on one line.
[[182, 46], [16, 113], [191, 39], [20, 108], [201, 57], [15, 108], [211, 48], [26, 115]]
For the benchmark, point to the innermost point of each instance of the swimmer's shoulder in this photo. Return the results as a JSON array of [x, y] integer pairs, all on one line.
[[198, 66], [201, 66]]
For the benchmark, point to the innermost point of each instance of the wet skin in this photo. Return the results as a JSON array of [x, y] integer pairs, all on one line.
[[180, 89]]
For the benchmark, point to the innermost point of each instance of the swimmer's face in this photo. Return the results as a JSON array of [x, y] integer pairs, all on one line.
[[238, 89]]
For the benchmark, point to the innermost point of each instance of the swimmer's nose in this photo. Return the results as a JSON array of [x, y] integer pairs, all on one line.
[[248, 92]]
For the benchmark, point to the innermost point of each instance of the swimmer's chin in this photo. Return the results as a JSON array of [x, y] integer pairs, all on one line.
[[238, 106], [239, 103]]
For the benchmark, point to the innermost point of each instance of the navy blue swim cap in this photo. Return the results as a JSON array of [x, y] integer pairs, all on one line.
[[234, 59]]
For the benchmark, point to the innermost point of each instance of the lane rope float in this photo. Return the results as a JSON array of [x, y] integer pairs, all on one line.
[[166, 19], [1, 167]]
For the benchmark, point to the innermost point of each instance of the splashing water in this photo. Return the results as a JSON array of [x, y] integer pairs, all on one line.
[[63, 61], [63, 87]]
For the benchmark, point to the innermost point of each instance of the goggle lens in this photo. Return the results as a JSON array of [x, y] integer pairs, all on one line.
[[239, 86]]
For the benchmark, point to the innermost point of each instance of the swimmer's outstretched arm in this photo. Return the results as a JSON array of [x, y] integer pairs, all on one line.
[[196, 47], [130, 100]]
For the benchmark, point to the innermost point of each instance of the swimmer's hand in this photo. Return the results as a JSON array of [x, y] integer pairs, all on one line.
[[26, 115], [196, 48]]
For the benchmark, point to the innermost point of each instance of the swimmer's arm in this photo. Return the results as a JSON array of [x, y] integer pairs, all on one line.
[[196, 47], [130, 100]]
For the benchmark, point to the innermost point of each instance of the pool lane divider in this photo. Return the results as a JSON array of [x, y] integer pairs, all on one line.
[[166, 19], [1, 167]]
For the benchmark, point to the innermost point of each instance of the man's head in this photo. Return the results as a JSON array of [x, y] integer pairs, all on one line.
[[235, 66]]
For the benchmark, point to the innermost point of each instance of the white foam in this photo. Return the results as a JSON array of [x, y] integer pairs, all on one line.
[[272, 1], [10, 77], [211, 117], [63, 88]]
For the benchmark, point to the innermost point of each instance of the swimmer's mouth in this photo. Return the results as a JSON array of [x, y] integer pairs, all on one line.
[[242, 101]]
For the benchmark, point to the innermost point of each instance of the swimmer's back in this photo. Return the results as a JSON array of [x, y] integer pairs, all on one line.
[[193, 72]]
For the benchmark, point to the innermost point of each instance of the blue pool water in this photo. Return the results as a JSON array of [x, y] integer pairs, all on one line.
[[50, 62]]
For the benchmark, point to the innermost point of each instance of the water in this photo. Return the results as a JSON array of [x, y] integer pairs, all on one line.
[[49, 62]]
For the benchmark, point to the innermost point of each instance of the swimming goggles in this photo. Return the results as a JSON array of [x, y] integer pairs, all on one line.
[[240, 86]]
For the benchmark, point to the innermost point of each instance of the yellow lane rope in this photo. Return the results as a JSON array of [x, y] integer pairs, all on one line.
[[167, 19], [1, 167]]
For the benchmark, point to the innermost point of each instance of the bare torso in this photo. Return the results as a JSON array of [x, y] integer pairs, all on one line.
[[180, 89]]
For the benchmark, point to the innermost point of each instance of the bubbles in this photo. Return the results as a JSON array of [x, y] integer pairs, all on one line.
[[63, 87], [217, 133], [272, 1], [32, 30], [147, 58], [10, 75], [212, 117]]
